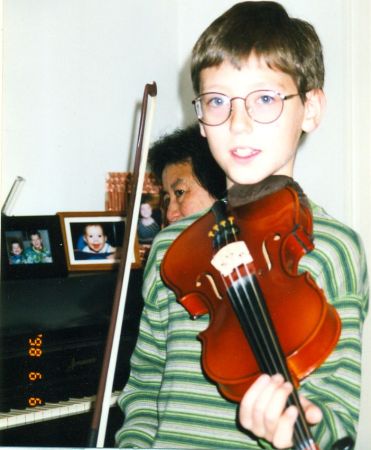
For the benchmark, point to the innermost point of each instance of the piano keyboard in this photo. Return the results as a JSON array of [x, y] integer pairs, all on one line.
[[49, 411]]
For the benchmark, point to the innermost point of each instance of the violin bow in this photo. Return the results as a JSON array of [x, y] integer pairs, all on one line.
[[103, 398]]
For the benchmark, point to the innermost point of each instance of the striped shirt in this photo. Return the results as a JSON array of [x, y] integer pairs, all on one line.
[[169, 403]]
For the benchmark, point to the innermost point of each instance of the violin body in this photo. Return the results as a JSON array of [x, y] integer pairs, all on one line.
[[277, 231]]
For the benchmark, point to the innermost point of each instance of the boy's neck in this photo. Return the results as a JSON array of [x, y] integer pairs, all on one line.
[[241, 194]]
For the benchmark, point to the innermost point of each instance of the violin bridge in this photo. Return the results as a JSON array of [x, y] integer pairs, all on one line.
[[231, 256]]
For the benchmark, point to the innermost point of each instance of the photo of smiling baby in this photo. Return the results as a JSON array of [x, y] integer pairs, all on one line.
[[96, 240]]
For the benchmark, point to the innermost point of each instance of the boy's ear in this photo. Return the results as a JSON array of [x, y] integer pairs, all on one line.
[[315, 105]]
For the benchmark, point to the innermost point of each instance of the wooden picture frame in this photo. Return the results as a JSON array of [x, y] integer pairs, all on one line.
[[32, 247], [92, 240]]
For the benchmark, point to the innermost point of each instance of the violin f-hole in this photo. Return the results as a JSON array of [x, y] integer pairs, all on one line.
[[212, 284], [195, 302], [265, 253]]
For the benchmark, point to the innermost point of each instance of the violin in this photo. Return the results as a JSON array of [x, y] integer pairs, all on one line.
[[265, 316]]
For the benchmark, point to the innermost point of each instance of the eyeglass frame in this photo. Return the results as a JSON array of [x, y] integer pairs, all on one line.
[[283, 97]]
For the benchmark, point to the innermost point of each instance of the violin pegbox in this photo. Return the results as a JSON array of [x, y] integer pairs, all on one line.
[[224, 230]]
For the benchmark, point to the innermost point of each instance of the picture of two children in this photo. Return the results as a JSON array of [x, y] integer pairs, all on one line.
[[28, 247]]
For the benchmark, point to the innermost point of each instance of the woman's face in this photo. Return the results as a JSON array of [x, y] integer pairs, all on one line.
[[183, 193]]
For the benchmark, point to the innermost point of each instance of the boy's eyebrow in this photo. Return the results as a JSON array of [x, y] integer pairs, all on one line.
[[266, 85]]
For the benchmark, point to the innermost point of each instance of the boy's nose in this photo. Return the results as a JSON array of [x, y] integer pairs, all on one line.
[[173, 213], [240, 119]]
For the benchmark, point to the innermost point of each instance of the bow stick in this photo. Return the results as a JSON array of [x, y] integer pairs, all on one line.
[[102, 404]]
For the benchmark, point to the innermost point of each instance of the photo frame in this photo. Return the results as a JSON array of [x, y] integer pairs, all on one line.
[[150, 222], [31, 247], [92, 240]]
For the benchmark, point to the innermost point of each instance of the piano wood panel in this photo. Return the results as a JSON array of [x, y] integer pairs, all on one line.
[[62, 304]]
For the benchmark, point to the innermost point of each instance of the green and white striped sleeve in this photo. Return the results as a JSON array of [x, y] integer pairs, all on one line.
[[138, 400], [338, 264]]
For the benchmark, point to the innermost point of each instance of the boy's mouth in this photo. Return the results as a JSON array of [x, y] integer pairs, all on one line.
[[244, 152]]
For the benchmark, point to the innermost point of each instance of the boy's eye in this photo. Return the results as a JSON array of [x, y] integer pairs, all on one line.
[[266, 99], [217, 101]]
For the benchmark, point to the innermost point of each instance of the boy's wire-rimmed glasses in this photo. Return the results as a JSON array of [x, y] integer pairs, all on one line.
[[262, 106]]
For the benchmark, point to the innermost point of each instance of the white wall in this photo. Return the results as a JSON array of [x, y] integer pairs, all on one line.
[[74, 72], [73, 75]]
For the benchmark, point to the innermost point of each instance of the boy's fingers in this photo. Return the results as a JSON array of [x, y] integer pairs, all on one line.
[[313, 414], [276, 408], [282, 437], [249, 399], [263, 404]]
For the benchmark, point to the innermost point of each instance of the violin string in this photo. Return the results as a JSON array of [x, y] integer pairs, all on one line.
[[301, 432], [256, 323], [264, 352], [263, 339]]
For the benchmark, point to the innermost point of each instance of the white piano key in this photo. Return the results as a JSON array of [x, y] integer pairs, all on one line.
[[49, 411]]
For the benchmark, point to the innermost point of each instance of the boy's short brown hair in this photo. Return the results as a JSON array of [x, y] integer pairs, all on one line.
[[265, 29]]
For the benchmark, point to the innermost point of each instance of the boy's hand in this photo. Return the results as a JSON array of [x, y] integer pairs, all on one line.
[[263, 410]]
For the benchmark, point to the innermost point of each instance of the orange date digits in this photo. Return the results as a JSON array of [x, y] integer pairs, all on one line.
[[35, 352], [33, 376], [37, 341], [34, 401]]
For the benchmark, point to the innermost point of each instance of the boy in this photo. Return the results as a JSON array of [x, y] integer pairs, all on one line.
[[16, 252], [37, 253], [190, 177], [258, 77]]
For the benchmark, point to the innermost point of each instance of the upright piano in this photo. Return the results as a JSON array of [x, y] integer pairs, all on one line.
[[53, 333]]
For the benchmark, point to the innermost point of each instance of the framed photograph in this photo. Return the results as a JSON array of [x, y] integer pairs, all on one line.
[[93, 240], [150, 222], [32, 247]]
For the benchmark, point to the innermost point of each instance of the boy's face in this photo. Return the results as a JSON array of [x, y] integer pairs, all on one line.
[[36, 242], [16, 249], [248, 151], [94, 237]]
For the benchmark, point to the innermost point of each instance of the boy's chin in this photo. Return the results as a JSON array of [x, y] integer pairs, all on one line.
[[244, 180]]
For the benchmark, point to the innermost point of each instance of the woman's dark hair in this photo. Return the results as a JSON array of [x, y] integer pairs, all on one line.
[[187, 145]]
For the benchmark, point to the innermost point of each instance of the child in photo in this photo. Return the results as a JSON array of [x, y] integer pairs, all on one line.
[[16, 252], [96, 243]]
